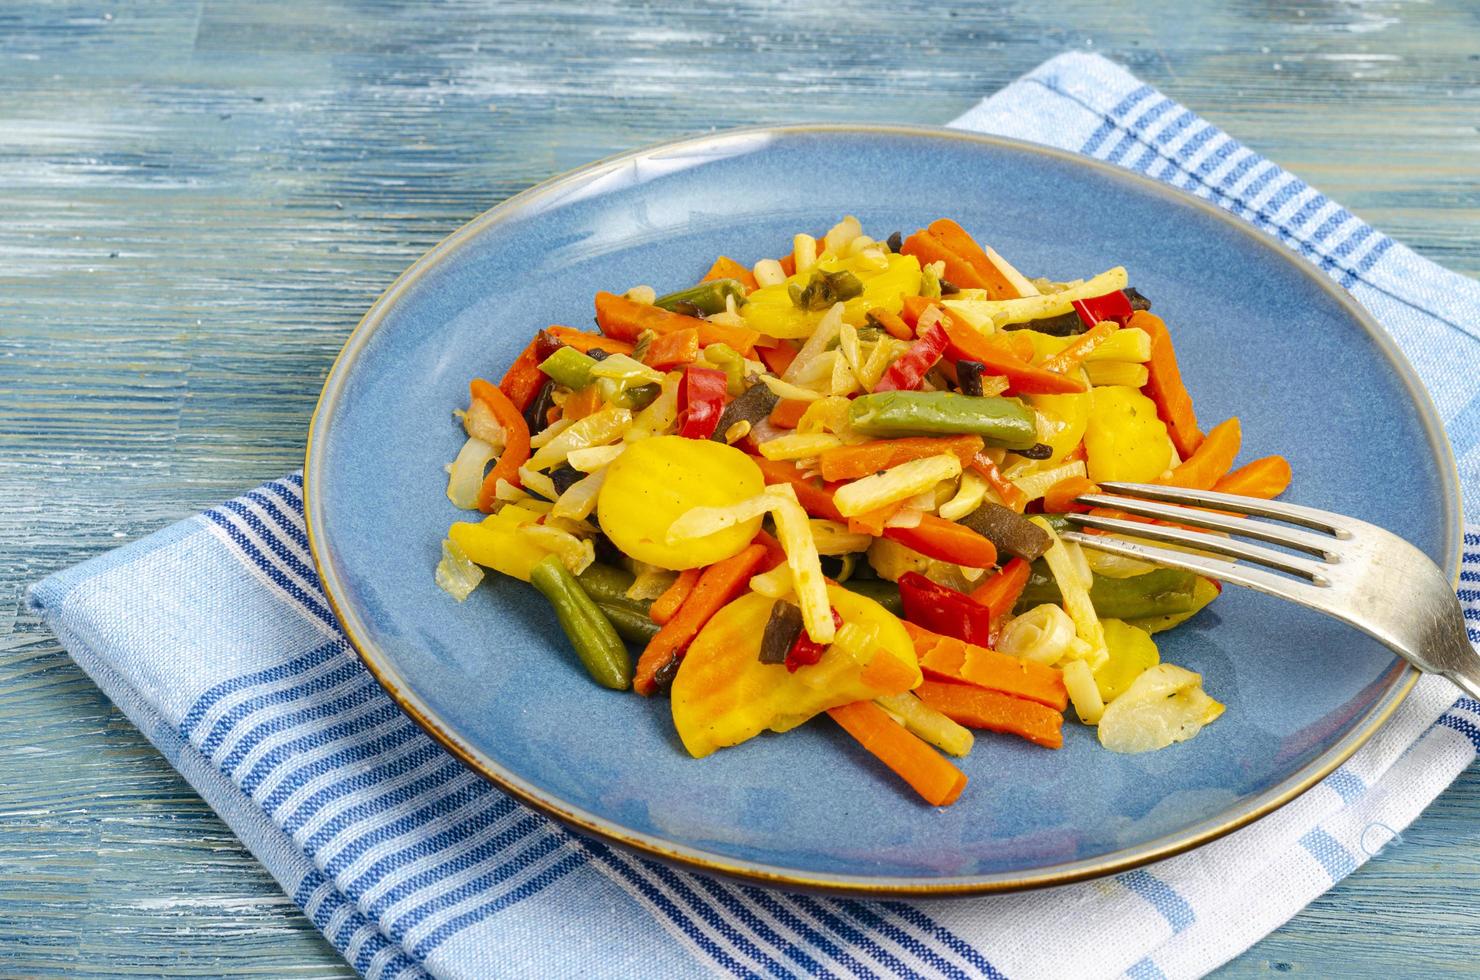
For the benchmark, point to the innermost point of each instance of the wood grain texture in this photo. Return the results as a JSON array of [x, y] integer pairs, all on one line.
[[197, 201]]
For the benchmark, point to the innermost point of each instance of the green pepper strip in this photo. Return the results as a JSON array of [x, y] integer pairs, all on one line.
[[999, 421], [1163, 592], [707, 297], [569, 367], [590, 632]]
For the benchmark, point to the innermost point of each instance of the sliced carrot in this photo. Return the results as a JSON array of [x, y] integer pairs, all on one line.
[[1267, 478], [788, 412], [727, 268], [788, 263], [1212, 460], [865, 459], [626, 319], [1073, 355], [816, 500], [872, 521], [1164, 385], [970, 663], [937, 781], [663, 607], [669, 350], [977, 707], [1012, 497], [586, 342], [928, 248], [580, 404], [524, 379], [717, 585], [775, 554], [943, 540], [778, 358], [516, 440], [1060, 497], [891, 323], [955, 238], [1000, 592], [886, 672], [910, 312], [1022, 377]]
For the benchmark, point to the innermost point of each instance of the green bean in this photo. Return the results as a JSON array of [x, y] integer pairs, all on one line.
[[631, 625], [590, 632], [569, 367], [824, 289], [884, 593], [607, 585], [635, 397], [999, 421], [707, 297], [1163, 592]]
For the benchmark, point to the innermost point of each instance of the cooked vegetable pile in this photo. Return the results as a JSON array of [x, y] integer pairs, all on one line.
[[835, 482]]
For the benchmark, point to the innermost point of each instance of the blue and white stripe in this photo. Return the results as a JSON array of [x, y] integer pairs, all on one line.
[[411, 865]]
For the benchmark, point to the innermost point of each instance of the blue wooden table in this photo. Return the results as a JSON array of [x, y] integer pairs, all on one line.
[[198, 199]]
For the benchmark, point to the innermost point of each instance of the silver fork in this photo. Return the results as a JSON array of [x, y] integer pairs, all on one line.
[[1360, 574]]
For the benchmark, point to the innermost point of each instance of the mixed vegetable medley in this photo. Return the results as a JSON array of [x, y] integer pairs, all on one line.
[[835, 482]]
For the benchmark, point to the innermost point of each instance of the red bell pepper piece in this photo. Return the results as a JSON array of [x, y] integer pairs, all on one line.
[[944, 611], [1114, 307], [910, 368], [701, 399], [805, 653]]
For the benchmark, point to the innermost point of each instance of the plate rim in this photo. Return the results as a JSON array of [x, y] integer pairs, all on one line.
[[384, 670]]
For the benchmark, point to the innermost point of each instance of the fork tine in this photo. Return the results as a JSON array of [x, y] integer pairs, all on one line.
[[1257, 579], [1278, 560], [1320, 545], [1275, 510]]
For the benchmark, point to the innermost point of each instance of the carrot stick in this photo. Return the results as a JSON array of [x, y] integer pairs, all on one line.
[[777, 359], [587, 342], [1267, 478], [716, 585], [1011, 496], [669, 350], [937, 781], [955, 238], [928, 248], [788, 412], [1023, 378], [969, 663], [1212, 461], [865, 459], [727, 268], [788, 264], [976, 707], [663, 607], [1000, 592], [1072, 356], [1060, 497], [909, 313], [516, 440], [872, 521], [582, 403], [815, 500], [943, 540], [1164, 385], [775, 554], [625, 319], [891, 323], [887, 673], [523, 381]]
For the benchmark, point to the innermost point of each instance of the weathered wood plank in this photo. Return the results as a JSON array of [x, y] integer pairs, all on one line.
[[197, 201]]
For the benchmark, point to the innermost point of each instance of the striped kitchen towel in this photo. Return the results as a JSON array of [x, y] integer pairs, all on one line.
[[214, 638]]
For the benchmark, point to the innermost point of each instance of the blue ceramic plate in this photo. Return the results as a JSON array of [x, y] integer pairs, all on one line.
[[1261, 334]]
